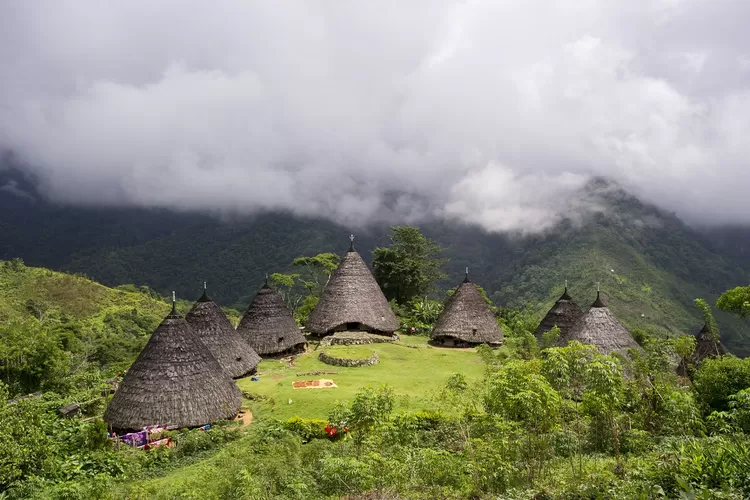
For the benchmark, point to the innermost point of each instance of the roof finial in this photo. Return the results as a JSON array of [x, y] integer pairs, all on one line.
[[204, 297], [598, 302], [174, 304], [466, 277], [266, 279], [351, 242], [565, 295]]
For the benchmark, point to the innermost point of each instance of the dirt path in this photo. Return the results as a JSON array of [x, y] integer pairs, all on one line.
[[245, 417]]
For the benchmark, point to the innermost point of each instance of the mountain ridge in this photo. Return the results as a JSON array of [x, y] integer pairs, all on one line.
[[650, 264]]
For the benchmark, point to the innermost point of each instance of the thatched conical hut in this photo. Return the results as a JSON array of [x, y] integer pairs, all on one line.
[[175, 382], [352, 300], [268, 325], [466, 319], [599, 327], [216, 332], [564, 314], [707, 345]]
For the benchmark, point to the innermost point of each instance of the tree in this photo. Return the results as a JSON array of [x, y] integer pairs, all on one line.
[[736, 300], [708, 316], [301, 290], [409, 266]]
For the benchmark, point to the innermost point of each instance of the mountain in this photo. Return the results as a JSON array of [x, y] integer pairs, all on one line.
[[649, 263]]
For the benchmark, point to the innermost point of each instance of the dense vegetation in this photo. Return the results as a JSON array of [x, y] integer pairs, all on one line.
[[541, 420]]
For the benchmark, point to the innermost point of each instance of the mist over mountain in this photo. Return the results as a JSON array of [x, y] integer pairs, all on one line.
[[650, 264], [481, 112]]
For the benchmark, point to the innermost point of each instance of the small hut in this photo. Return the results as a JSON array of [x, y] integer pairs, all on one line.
[[707, 345], [216, 332], [564, 314], [268, 325], [174, 382], [466, 319], [352, 301], [599, 327]]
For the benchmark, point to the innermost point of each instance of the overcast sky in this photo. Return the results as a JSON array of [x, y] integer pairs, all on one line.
[[489, 112]]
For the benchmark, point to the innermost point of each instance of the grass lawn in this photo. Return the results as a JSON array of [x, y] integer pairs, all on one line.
[[414, 369]]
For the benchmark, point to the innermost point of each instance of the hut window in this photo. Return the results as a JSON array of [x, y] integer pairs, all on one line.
[[473, 331], [281, 339]]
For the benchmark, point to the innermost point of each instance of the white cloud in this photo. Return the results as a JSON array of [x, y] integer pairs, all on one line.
[[488, 112]]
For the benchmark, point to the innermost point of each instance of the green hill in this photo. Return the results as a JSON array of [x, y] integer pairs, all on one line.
[[53, 325]]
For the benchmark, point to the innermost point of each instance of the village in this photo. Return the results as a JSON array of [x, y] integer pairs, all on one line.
[[185, 375]]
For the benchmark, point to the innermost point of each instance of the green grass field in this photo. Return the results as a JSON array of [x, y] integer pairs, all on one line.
[[413, 368]]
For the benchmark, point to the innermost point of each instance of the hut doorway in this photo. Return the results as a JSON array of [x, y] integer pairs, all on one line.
[[352, 327]]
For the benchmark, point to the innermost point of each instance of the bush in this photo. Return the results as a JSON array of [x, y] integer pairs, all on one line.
[[307, 429], [340, 476], [718, 378]]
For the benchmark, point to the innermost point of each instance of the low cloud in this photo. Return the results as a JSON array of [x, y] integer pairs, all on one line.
[[491, 113]]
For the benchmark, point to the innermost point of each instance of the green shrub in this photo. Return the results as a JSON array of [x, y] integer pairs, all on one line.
[[307, 429]]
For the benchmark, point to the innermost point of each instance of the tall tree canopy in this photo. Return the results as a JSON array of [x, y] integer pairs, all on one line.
[[736, 300], [409, 266]]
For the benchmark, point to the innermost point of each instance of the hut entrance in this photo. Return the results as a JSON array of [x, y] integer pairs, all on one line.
[[352, 326]]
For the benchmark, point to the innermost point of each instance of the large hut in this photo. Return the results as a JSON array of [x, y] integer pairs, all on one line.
[[216, 332], [599, 327], [174, 382], [268, 325], [564, 314], [352, 301], [466, 319]]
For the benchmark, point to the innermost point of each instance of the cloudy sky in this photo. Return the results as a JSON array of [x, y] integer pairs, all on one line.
[[488, 112]]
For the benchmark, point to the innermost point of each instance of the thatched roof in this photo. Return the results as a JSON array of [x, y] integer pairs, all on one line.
[[175, 381], [268, 325], [216, 332], [564, 314], [599, 327], [707, 345], [352, 296], [466, 316]]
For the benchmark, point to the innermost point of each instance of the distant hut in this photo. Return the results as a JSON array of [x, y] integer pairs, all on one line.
[[216, 332], [268, 325], [707, 345], [352, 301], [564, 314], [466, 319], [599, 327], [174, 382]]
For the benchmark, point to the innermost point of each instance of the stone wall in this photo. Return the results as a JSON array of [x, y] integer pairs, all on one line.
[[357, 338], [332, 360]]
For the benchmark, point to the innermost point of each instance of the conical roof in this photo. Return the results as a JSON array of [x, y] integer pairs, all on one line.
[[466, 316], [707, 345], [599, 327], [216, 332], [564, 314], [352, 296], [268, 325], [175, 382]]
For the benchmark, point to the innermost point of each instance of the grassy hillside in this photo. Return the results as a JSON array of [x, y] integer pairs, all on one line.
[[53, 325]]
